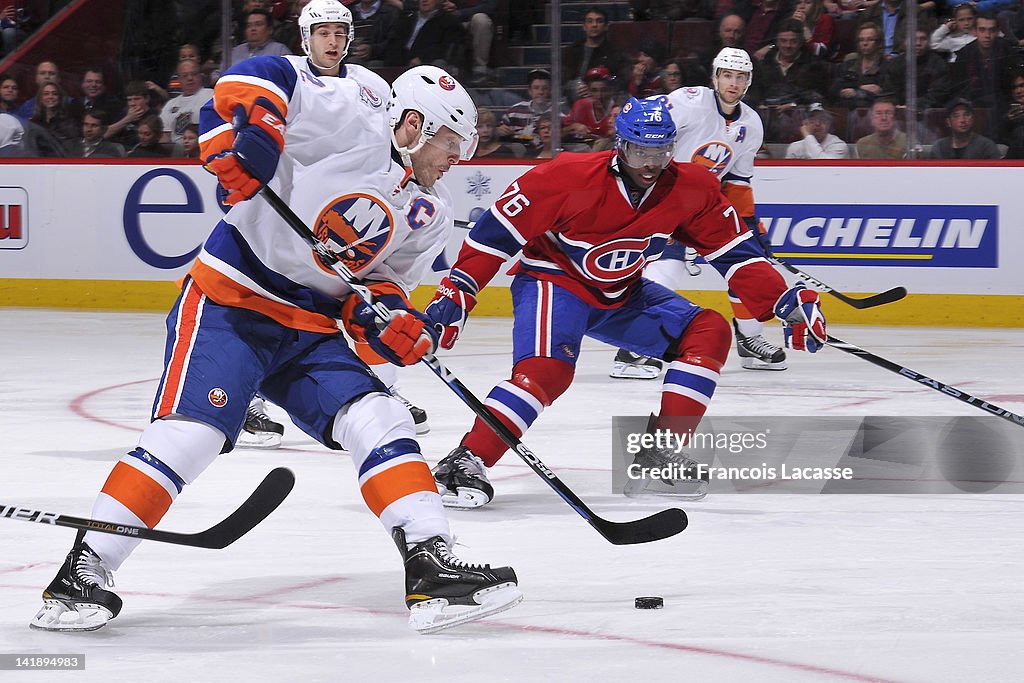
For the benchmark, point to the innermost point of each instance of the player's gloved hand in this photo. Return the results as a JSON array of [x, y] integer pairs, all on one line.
[[760, 234], [251, 162], [690, 262], [449, 309], [402, 340], [803, 324]]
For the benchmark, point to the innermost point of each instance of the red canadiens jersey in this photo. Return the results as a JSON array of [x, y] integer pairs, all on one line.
[[571, 222]]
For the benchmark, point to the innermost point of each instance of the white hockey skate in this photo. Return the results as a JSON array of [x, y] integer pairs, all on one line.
[[259, 431], [757, 353], [629, 365], [677, 475], [442, 591]]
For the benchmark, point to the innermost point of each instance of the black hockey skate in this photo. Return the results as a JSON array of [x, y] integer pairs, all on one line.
[[419, 416], [674, 474], [629, 365], [757, 353], [76, 599], [259, 431], [462, 480], [442, 591]]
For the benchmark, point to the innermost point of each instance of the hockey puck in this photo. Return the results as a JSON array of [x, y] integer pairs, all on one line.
[[651, 602]]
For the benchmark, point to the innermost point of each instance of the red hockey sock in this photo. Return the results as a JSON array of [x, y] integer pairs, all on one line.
[[517, 403]]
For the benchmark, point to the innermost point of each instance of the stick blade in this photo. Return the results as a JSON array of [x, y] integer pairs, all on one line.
[[271, 492], [886, 297], [658, 526]]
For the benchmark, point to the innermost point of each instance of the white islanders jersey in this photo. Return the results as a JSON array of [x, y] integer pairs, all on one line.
[[337, 173], [705, 137]]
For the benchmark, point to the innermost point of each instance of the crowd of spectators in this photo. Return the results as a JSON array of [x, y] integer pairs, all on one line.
[[816, 101]]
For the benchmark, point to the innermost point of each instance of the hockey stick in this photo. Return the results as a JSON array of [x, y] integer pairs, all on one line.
[[656, 527], [886, 297], [271, 492], [915, 376]]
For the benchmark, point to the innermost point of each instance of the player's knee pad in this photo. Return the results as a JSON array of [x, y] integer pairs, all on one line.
[[705, 341], [370, 421], [543, 378], [183, 445]]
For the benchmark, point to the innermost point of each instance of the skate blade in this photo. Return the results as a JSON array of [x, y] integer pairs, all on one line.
[[422, 428], [431, 616], [690, 490], [59, 616], [758, 364], [258, 440], [463, 499], [630, 371]]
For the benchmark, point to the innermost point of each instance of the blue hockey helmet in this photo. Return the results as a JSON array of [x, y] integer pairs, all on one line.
[[645, 133]]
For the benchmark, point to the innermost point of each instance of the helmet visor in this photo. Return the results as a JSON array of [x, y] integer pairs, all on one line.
[[454, 144], [638, 156]]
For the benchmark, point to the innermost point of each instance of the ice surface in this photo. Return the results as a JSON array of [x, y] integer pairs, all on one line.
[[759, 588]]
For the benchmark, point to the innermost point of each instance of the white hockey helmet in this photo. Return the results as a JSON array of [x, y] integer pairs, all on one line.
[[441, 100], [736, 59], [324, 12]]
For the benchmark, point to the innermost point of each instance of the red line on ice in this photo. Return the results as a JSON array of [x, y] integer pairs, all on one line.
[[77, 405]]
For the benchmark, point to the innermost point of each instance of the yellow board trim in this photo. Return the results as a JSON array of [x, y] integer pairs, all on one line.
[[102, 295], [837, 257], [937, 310]]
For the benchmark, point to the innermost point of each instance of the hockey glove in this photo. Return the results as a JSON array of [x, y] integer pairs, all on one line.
[[402, 340], [450, 308], [803, 324], [251, 162]]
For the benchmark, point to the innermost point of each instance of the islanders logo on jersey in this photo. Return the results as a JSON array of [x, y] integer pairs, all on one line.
[[356, 227], [616, 260], [714, 156]]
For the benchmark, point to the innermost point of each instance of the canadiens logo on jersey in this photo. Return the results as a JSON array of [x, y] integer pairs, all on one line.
[[356, 227], [714, 156], [616, 260]]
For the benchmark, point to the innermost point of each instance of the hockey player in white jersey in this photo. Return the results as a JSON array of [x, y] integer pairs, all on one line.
[[716, 130], [259, 311]]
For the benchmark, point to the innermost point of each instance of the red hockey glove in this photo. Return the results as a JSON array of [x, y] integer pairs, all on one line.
[[803, 324], [450, 308]]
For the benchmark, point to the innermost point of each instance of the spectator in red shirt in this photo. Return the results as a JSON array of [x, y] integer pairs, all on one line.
[[819, 28], [590, 118]]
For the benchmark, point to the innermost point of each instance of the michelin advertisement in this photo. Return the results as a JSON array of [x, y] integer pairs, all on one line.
[[949, 234]]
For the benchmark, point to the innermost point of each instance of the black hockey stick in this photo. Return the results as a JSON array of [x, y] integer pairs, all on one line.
[[274, 488], [886, 297], [656, 527], [924, 380]]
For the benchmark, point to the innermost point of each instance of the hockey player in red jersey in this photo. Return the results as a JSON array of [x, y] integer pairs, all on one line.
[[259, 311], [717, 130], [584, 226]]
